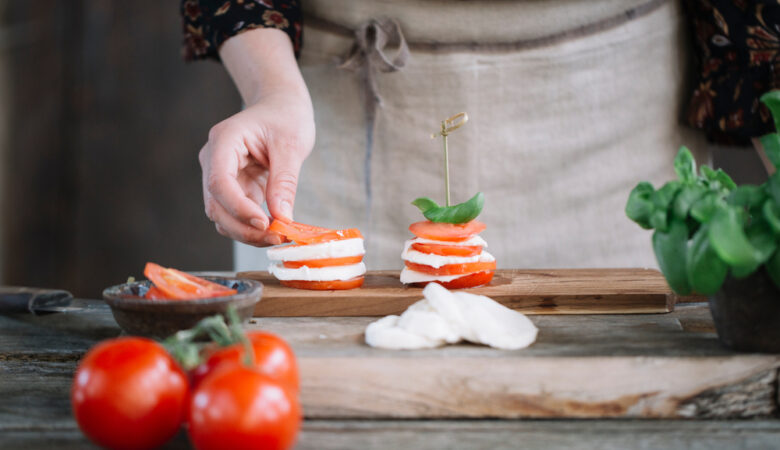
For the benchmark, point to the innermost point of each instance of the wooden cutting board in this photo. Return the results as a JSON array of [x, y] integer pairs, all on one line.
[[554, 291]]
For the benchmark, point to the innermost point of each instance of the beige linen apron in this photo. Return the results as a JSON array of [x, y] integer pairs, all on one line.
[[571, 103]]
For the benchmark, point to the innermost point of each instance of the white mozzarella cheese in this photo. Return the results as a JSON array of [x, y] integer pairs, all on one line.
[[448, 317], [306, 273], [409, 276], [331, 249], [440, 260]]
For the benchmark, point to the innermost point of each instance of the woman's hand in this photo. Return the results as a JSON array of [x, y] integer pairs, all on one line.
[[256, 155]]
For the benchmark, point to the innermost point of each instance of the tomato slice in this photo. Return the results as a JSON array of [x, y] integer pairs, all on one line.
[[446, 231], [447, 250], [309, 234], [178, 285], [326, 262], [154, 293], [466, 281], [452, 269], [337, 285]]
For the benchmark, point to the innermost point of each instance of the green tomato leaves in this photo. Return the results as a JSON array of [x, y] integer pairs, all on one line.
[[460, 213]]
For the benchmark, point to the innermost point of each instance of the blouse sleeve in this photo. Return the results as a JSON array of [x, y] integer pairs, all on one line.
[[209, 23]]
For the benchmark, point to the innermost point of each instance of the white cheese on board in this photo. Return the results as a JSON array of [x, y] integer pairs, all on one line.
[[445, 317]]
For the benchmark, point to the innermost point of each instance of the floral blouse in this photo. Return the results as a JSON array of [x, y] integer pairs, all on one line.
[[209, 23], [736, 45]]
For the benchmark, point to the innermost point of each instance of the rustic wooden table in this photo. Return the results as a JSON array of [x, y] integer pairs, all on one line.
[[609, 382]]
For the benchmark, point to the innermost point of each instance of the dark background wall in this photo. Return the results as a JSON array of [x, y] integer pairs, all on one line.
[[104, 123]]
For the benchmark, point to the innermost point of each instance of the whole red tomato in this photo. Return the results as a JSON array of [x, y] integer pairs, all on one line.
[[128, 393], [273, 357], [238, 407]]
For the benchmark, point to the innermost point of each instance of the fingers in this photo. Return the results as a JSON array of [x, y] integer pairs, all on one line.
[[283, 183], [220, 164], [230, 227]]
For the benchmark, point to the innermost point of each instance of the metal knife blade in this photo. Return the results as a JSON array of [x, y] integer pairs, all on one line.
[[15, 300]]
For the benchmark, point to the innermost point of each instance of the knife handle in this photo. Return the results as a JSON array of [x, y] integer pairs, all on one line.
[[20, 300]]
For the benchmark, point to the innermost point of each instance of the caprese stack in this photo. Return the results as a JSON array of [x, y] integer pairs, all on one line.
[[318, 258], [450, 254]]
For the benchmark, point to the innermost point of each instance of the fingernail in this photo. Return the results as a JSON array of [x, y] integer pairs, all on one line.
[[285, 208], [273, 240], [258, 223]]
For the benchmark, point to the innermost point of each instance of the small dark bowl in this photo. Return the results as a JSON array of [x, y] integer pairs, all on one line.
[[162, 318]]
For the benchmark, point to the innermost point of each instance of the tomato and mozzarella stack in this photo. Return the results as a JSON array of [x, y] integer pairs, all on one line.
[[319, 258], [452, 255]]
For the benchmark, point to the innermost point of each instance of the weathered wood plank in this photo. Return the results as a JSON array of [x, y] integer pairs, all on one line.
[[470, 434], [581, 366], [554, 291]]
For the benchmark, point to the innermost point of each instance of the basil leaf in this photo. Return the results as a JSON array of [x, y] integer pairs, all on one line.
[[747, 196], [663, 197], [670, 250], [686, 198], [773, 187], [460, 213], [772, 101], [685, 166], [705, 207], [640, 207], [773, 268], [706, 271], [772, 215], [762, 238], [771, 144], [729, 240]]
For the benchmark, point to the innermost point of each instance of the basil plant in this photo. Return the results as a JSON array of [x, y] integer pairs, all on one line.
[[707, 227]]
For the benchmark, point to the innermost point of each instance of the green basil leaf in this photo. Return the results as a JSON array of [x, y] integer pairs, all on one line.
[[685, 165], [725, 180], [460, 213], [773, 187], [658, 220], [772, 215], [670, 249], [686, 198], [773, 268], [771, 144], [728, 239], [763, 239], [706, 271], [705, 207], [639, 206], [772, 101], [663, 197], [707, 173], [747, 196]]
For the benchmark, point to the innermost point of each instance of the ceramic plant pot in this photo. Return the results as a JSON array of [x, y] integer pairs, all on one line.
[[746, 313]]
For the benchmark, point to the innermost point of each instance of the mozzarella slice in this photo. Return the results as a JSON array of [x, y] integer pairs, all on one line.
[[331, 249], [472, 241], [437, 261], [409, 276], [306, 273], [447, 317]]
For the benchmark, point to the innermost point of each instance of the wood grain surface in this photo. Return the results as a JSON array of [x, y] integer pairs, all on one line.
[[554, 291]]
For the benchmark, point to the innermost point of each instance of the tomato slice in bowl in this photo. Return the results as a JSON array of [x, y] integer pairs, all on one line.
[[326, 262], [308, 234], [446, 231], [337, 285], [447, 250], [464, 282], [452, 269], [178, 285]]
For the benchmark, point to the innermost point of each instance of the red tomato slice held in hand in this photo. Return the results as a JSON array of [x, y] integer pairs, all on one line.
[[309, 234]]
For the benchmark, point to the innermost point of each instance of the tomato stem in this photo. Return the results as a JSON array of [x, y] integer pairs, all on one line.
[[239, 335]]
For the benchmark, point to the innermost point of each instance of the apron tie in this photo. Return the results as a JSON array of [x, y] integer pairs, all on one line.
[[379, 46]]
